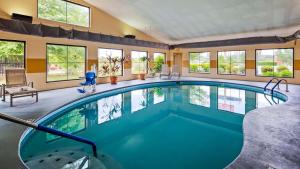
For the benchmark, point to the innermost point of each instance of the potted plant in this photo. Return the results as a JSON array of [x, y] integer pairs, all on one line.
[[142, 75], [112, 68]]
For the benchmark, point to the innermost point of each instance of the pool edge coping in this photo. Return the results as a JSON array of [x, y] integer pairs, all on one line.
[[232, 82]]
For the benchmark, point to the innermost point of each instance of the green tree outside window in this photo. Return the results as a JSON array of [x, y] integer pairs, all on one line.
[[159, 60], [65, 62], [12, 55], [65, 12]]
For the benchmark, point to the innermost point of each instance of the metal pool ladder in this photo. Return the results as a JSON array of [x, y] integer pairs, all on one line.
[[49, 130], [276, 85]]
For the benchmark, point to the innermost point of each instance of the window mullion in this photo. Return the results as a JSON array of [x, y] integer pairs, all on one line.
[[273, 63], [67, 62], [67, 12], [230, 72]]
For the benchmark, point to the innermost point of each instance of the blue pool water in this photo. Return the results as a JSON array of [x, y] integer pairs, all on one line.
[[187, 125]]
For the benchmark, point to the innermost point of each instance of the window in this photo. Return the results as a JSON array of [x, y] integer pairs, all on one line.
[[64, 11], [232, 62], [275, 62], [159, 60], [111, 60], [139, 62], [65, 62], [12, 55], [199, 62]]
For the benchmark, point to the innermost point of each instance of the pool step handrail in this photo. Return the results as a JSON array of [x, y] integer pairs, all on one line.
[[49, 130], [277, 84], [270, 81]]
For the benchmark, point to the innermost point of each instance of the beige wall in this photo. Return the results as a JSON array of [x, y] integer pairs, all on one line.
[[250, 61], [101, 22]]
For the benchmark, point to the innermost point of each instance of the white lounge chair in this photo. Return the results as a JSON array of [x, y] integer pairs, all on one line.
[[165, 71], [175, 71]]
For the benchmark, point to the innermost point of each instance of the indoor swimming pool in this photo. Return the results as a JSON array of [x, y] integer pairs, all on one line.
[[178, 125]]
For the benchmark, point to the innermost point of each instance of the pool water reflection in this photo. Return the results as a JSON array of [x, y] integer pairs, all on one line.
[[179, 126]]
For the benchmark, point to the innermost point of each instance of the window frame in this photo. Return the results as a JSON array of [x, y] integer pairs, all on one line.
[[293, 48], [89, 24], [218, 73], [200, 72], [85, 62], [122, 63], [147, 65]]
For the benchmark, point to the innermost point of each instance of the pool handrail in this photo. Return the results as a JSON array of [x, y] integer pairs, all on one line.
[[49, 130], [270, 81], [277, 84]]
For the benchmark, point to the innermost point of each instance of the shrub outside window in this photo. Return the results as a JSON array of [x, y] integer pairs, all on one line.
[[232, 62], [139, 62], [65, 62], [159, 60], [64, 11], [275, 62], [199, 62]]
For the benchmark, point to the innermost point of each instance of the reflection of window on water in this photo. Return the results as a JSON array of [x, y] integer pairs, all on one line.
[[138, 100], [70, 122], [200, 95], [263, 100], [110, 108], [232, 100], [158, 95]]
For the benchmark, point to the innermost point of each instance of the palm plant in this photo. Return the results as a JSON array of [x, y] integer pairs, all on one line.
[[112, 67]]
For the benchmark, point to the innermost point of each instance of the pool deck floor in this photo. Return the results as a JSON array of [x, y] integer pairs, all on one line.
[[271, 134]]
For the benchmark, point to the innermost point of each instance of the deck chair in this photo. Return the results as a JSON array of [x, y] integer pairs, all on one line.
[[164, 71], [175, 71], [90, 82], [17, 86]]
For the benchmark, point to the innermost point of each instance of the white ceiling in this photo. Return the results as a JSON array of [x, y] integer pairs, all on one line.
[[182, 21]]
